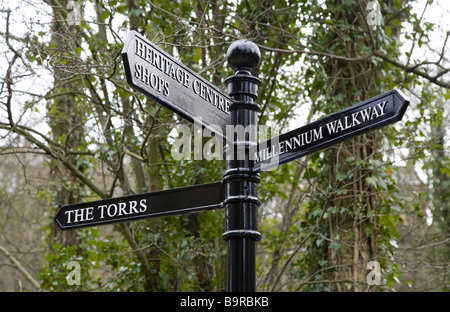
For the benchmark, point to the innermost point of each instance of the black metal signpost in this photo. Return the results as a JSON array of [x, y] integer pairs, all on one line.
[[164, 79]]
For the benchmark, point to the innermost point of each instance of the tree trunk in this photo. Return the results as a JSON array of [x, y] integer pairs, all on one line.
[[352, 239], [65, 118]]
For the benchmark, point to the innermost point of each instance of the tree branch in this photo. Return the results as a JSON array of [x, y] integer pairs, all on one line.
[[60, 157], [19, 266]]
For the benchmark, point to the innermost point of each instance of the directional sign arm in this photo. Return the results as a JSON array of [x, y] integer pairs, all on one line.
[[366, 116], [147, 205], [166, 80]]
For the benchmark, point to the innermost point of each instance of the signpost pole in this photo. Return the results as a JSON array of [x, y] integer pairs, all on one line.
[[240, 179]]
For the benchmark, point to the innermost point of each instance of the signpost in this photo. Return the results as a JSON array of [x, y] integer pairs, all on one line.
[[164, 79], [158, 75]]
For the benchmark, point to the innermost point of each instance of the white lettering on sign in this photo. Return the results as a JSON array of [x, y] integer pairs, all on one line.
[[365, 115], [167, 71], [151, 79], [79, 215], [333, 128], [210, 95], [100, 212]]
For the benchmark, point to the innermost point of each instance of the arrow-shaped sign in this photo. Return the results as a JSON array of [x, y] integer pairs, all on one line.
[[158, 75], [366, 116], [147, 205]]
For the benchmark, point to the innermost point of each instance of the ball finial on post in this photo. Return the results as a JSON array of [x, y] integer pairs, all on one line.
[[243, 54]]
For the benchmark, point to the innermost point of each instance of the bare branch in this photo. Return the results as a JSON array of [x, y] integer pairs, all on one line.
[[414, 70]]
